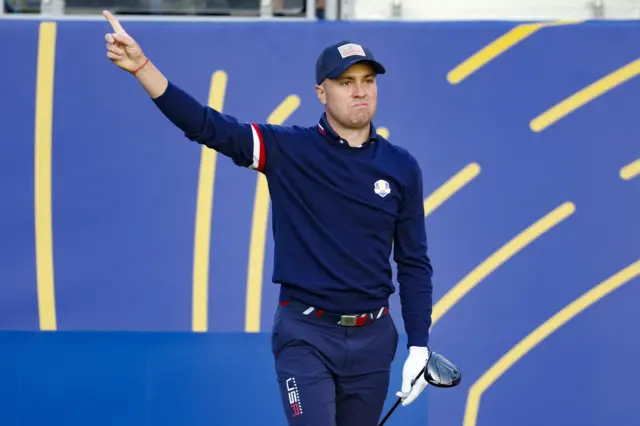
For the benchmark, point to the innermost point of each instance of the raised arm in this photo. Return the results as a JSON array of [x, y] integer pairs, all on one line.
[[248, 145], [125, 52]]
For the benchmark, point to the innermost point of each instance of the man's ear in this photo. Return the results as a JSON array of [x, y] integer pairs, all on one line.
[[322, 94]]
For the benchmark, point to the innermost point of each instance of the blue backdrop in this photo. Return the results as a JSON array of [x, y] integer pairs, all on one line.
[[530, 154]]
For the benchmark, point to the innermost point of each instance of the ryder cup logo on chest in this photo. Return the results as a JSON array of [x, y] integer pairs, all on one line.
[[382, 188]]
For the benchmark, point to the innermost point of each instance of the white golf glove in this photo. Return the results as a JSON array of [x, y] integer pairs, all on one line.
[[416, 361]]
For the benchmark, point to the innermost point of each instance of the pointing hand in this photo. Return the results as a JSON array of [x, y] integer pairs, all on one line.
[[122, 49]]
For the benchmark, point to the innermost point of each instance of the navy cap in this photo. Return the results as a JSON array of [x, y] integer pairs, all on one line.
[[335, 59]]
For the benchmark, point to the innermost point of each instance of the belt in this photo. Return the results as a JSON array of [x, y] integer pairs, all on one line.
[[353, 320]]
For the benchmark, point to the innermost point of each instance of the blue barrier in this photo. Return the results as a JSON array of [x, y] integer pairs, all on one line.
[[145, 379], [525, 153]]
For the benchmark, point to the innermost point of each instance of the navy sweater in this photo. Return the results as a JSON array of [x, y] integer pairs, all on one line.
[[337, 211]]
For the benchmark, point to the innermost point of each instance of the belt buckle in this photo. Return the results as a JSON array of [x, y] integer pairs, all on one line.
[[348, 320]]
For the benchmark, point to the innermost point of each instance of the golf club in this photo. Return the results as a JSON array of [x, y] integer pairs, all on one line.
[[439, 372]]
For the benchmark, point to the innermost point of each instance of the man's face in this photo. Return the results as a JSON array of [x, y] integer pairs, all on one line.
[[351, 99]]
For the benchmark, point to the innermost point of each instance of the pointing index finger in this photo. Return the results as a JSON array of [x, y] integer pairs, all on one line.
[[115, 24]]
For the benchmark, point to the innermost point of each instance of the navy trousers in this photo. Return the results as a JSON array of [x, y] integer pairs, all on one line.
[[331, 375]]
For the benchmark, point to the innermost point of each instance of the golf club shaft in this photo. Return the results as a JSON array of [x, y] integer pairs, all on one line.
[[400, 399], [390, 412]]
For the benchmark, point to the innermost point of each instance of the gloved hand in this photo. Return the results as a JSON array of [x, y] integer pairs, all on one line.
[[416, 361]]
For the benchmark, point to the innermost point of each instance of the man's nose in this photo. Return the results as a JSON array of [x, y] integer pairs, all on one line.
[[358, 91]]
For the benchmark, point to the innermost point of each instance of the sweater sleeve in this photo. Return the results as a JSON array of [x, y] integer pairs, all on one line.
[[249, 145], [413, 264]]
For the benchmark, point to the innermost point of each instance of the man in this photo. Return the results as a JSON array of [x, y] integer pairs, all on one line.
[[342, 198]]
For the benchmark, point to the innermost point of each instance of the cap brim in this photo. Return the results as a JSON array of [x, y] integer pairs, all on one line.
[[378, 68]]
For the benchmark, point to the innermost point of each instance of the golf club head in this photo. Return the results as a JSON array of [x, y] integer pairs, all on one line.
[[441, 372]]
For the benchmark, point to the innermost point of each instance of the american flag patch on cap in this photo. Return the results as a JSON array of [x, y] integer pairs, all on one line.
[[351, 49]]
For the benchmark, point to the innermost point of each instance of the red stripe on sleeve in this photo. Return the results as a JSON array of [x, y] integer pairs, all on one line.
[[262, 157]]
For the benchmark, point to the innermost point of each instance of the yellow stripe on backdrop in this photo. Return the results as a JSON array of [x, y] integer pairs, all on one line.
[[255, 269], [631, 170], [497, 48], [383, 131], [499, 257], [584, 96], [202, 237], [539, 334], [42, 175], [450, 187]]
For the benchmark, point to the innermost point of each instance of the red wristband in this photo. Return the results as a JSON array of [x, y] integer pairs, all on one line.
[[140, 67]]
